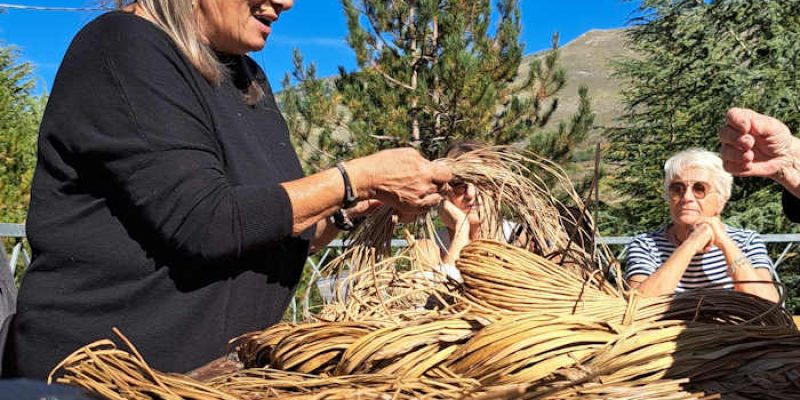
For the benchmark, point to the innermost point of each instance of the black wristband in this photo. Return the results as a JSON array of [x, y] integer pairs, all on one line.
[[350, 198]]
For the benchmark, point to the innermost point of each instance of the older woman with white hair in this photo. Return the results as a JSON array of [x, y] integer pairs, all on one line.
[[696, 249]]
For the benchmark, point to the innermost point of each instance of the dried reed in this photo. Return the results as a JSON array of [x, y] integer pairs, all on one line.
[[102, 368], [535, 319]]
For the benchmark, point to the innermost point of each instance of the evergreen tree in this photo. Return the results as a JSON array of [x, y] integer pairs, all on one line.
[[431, 72], [20, 113], [314, 115]]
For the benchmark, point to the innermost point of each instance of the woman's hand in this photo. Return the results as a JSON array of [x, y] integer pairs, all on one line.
[[452, 217], [363, 208], [721, 238], [400, 178], [701, 237], [754, 144]]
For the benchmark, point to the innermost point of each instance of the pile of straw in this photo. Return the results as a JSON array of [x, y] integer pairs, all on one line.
[[536, 320]]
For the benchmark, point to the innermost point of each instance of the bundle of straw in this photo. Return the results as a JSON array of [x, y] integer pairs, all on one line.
[[513, 185], [529, 348], [407, 351], [667, 389], [257, 384], [115, 374], [500, 279], [317, 347], [534, 319], [758, 356], [382, 292], [254, 349]]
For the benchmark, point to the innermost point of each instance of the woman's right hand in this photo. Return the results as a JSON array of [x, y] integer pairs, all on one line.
[[451, 215], [701, 237], [400, 178]]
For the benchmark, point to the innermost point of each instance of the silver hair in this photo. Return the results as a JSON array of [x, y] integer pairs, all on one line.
[[721, 180]]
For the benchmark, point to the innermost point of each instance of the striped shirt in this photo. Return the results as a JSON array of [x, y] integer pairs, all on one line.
[[649, 251]]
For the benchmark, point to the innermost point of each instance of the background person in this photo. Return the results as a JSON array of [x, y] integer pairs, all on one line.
[[464, 219], [696, 249], [167, 199]]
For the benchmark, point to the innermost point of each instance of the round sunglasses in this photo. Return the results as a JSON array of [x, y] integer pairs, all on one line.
[[677, 189]]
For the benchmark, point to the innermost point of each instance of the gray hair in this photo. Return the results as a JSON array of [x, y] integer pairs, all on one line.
[[721, 180], [177, 19]]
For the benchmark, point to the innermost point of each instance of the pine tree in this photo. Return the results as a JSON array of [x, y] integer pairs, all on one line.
[[316, 120], [431, 72], [20, 113]]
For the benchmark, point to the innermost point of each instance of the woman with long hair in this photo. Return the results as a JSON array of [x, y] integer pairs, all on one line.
[[167, 199]]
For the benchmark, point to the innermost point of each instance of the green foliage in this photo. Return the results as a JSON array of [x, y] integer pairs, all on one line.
[[560, 146], [696, 59], [20, 113], [431, 72], [315, 119]]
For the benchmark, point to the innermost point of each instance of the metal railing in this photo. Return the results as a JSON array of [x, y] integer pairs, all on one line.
[[789, 239], [17, 233]]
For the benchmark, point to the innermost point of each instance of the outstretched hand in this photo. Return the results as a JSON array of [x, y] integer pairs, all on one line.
[[754, 144]]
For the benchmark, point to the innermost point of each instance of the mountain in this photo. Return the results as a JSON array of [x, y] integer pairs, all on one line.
[[587, 62]]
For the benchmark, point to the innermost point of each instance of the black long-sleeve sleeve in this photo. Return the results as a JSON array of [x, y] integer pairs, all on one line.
[[157, 143], [156, 205], [791, 206]]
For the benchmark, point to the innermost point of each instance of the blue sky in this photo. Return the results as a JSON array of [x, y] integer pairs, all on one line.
[[316, 27]]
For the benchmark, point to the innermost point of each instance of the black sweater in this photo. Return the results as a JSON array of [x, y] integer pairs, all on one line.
[[791, 206], [156, 206]]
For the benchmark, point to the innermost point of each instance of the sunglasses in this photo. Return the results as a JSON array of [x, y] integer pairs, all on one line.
[[677, 189], [458, 187]]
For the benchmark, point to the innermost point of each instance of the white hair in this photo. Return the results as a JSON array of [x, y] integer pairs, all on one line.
[[720, 180]]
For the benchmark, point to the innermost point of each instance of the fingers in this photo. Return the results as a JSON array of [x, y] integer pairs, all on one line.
[[764, 125], [736, 139], [705, 233], [404, 217], [364, 207], [735, 160], [430, 200], [740, 151], [450, 214], [409, 213], [406, 181], [739, 119], [748, 122], [737, 143], [441, 172]]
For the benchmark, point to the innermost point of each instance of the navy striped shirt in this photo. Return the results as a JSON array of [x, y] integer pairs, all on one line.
[[649, 251]]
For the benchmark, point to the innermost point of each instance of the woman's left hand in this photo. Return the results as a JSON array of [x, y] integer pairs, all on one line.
[[363, 207], [720, 236], [451, 215]]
